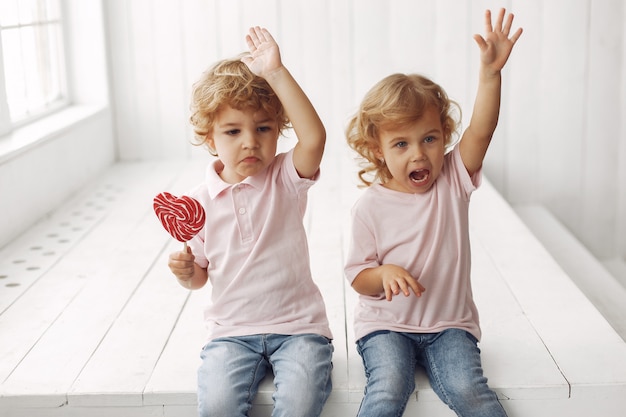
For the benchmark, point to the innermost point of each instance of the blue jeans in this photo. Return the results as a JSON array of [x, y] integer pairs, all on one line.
[[452, 362], [233, 367]]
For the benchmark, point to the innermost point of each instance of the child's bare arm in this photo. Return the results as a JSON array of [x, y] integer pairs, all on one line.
[[264, 60], [495, 49], [189, 274], [390, 279]]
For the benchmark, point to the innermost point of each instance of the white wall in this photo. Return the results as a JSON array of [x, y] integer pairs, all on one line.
[[561, 140]]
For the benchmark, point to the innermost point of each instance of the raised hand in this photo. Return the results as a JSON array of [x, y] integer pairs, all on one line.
[[496, 46], [264, 56]]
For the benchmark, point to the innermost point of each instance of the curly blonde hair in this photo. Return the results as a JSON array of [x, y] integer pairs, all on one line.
[[396, 101], [230, 82]]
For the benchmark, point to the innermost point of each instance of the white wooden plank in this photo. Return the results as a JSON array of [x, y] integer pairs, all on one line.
[[356, 371], [154, 411], [452, 51], [605, 292], [200, 50], [117, 372], [338, 166], [199, 37], [32, 254], [87, 59], [515, 359], [173, 380], [573, 407], [620, 236], [566, 320], [411, 27], [123, 90], [141, 15], [562, 64], [230, 32], [370, 40], [79, 329], [519, 106], [79, 281], [180, 411], [599, 166], [173, 103], [256, 13], [305, 43], [99, 218], [325, 243]]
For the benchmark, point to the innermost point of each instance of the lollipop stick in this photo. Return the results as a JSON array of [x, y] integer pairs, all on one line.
[[185, 247]]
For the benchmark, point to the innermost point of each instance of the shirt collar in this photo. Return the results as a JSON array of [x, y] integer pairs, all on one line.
[[216, 185]]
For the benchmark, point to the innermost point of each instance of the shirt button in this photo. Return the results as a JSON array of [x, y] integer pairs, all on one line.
[[242, 210]]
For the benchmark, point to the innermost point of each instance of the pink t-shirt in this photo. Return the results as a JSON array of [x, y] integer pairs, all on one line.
[[256, 250], [428, 235]]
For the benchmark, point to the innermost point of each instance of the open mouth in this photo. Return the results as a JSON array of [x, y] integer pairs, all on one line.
[[420, 176]]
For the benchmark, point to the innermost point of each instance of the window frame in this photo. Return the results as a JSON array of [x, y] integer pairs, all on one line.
[[5, 119], [7, 124]]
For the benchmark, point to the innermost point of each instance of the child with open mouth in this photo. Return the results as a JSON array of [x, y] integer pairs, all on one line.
[[409, 256]]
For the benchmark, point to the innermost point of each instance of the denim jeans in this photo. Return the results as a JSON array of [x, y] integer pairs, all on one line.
[[233, 367], [452, 362]]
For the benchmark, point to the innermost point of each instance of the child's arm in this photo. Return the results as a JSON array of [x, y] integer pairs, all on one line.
[[390, 279], [264, 60], [495, 49], [189, 274]]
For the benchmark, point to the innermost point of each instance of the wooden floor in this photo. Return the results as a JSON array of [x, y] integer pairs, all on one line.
[[93, 324]]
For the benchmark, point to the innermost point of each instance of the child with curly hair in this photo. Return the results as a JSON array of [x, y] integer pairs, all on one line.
[[266, 313], [409, 256]]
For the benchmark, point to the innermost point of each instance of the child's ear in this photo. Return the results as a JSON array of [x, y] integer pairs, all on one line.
[[378, 154], [210, 144]]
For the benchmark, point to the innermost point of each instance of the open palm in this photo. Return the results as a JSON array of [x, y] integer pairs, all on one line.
[[264, 55], [496, 46]]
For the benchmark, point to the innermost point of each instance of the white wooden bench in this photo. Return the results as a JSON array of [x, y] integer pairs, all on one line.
[[92, 323], [602, 288]]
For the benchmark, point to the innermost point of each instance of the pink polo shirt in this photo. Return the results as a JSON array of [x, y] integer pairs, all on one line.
[[426, 234], [255, 246]]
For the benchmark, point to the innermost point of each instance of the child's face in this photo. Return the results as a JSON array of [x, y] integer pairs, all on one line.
[[245, 142], [414, 154]]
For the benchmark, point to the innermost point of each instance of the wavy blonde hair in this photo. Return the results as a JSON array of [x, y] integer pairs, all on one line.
[[396, 101], [230, 82]]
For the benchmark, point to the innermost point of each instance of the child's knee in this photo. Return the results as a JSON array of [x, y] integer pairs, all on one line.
[[302, 395], [467, 393]]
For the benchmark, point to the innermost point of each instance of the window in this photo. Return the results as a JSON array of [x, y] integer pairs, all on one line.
[[32, 70]]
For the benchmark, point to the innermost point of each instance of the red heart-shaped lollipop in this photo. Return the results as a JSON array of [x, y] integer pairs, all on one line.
[[183, 217]]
